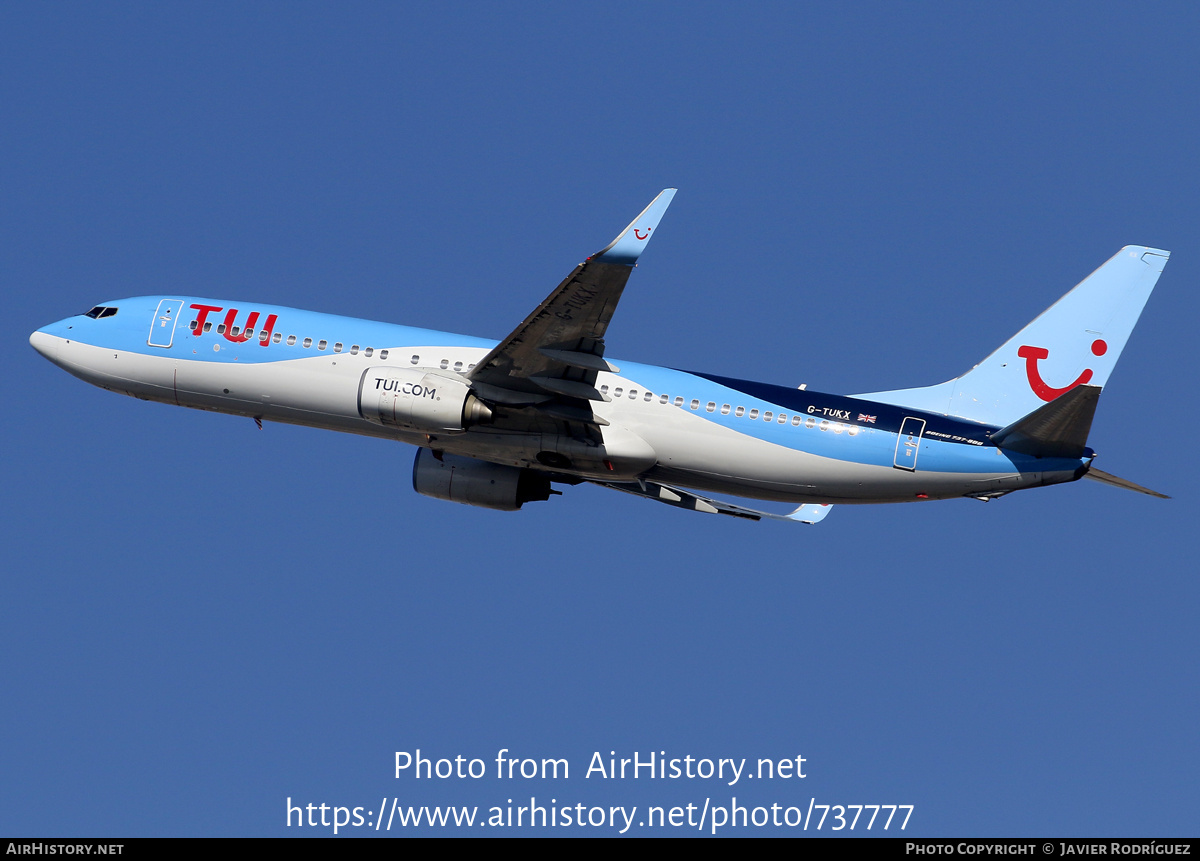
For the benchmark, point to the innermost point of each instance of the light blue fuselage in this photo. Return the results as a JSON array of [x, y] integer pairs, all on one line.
[[704, 432]]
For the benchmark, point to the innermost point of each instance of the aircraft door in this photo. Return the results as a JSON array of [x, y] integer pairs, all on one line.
[[162, 328], [908, 444]]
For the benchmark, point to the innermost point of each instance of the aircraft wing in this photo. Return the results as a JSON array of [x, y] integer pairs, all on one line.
[[552, 358], [809, 513]]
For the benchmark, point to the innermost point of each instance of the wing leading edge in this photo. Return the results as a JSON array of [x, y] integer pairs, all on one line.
[[558, 349]]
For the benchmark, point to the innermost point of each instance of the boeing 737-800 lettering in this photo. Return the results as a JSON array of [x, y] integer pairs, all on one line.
[[497, 424]]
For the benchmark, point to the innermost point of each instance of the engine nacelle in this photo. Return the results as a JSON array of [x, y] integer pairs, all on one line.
[[477, 482], [418, 399]]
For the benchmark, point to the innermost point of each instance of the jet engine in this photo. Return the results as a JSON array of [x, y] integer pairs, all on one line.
[[477, 482], [418, 399]]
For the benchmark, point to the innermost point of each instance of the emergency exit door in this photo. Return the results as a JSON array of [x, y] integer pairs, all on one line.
[[162, 328], [908, 444]]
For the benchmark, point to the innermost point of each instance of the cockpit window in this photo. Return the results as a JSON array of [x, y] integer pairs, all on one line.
[[100, 311]]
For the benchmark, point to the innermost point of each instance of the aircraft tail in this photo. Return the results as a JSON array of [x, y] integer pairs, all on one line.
[[1076, 342], [1060, 429], [1057, 429]]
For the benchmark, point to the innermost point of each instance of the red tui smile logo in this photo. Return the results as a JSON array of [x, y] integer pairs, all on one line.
[[1031, 355]]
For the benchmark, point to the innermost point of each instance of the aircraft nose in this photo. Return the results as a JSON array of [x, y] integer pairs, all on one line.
[[45, 344]]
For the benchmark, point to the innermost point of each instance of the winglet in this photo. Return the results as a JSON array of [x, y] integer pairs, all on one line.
[[632, 241], [809, 513]]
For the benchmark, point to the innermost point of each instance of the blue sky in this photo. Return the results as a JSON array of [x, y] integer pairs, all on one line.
[[201, 620]]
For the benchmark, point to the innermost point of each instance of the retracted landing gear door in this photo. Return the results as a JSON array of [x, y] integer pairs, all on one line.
[[908, 443]]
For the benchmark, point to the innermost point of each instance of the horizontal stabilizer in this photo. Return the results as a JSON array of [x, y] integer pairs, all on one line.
[[1108, 478], [1058, 429]]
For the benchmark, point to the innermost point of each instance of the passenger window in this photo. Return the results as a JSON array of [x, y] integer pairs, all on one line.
[[724, 409], [416, 360], [695, 404], [711, 406], [633, 394], [291, 340], [234, 331], [824, 424], [739, 412], [307, 343], [337, 348], [264, 336], [208, 326], [795, 421], [192, 325], [767, 416], [323, 344], [838, 427], [458, 366], [370, 351], [782, 419], [445, 363], [277, 337], [753, 414], [383, 354], [649, 397], [662, 399], [604, 389], [810, 422], [354, 349], [617, 392], [221, 329], [678, 401], [853, 430]]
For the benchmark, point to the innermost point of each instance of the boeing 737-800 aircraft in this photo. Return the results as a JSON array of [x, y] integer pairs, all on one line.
[[498, 423]]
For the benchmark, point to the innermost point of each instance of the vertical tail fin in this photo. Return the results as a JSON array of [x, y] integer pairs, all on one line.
[[1075, 342]]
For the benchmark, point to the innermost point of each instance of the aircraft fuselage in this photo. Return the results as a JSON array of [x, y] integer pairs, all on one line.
[[695, 430]]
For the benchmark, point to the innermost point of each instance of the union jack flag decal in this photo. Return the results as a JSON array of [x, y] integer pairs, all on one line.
[[863, 417]]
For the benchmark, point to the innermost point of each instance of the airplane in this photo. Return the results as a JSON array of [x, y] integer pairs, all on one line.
[[498, 424]]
